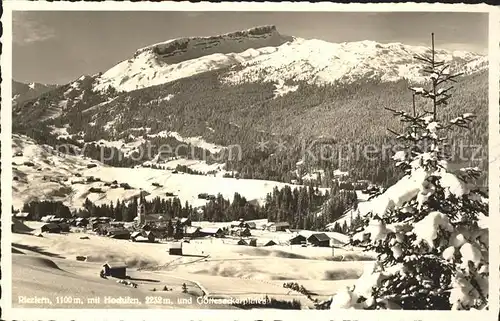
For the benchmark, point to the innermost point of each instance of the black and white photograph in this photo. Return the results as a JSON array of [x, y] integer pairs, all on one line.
[[249, 160]]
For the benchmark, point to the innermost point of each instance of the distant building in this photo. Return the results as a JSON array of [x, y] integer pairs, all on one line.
[[319, 239], [150, 218], [212, 231], [144, 236], [278, 226], [253, 242], [241, 223], [134, 235], [185, 221], [270, 243], [22, 216], [47, 218], [64, 227], [242, 242], [192, 231], [175, 249], [298, 239], [240, 231], [121, 234], [251, 225], [57, 220], [51, 228], [81, 222], [115, 270]]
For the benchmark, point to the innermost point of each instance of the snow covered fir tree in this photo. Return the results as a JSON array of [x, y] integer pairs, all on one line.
[[429, 229]]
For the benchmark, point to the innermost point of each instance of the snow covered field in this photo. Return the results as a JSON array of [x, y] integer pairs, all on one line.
[[218, 267], [42, 173]]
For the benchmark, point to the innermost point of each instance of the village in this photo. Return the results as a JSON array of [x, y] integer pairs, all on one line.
[[157, 228], [208, 259]]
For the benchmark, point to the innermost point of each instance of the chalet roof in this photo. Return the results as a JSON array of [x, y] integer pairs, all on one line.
[[21, 215], [298, 236], [192, 229], [237, 228], [115, 265], [279, 224], [152, 217], [211, 230], [57, 219], [51, 226], [135, 234], [320, 237], [119, 232]]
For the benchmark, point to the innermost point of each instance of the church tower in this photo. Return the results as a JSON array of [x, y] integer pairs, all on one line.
[[141, 211]]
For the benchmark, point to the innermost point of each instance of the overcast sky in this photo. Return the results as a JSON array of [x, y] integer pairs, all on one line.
[[58, 47]]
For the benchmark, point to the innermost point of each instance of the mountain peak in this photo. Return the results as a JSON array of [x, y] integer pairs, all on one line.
[[185, 48], [184, 57]]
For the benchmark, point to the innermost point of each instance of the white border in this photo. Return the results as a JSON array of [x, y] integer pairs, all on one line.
[[494, 154], [129, 314]]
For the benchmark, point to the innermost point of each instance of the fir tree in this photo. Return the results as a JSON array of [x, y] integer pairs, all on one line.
[[429, 228]]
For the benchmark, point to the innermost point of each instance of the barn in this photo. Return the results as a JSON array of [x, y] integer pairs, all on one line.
[[134, 235], [270, 243], [251, 225], [319, 239], [119, 234], [143, 236], [175, 249], [115, 270], [51, 228], [186, 221], [298, 239], [212, 231], [22, 216], [240, 231], [64, 227], [81, 222], [242, 242], [47, 218], [191, 231], [279, 226]]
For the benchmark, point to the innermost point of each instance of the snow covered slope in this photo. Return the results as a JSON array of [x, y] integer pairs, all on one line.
[[263, 54], [22, 92], [320, 62], [42, 173]]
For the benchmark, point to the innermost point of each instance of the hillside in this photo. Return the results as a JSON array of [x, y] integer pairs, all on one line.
[[289, 92], [42, 173], [22, 92]]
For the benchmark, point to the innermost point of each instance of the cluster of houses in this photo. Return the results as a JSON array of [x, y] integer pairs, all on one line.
[[315, 239]]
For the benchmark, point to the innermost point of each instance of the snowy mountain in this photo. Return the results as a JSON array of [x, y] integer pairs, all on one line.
[[263, 54], [22, 92], [241, 88], [179, 58]]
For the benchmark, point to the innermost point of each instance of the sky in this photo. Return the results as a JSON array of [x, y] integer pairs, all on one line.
[[56, 47]]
